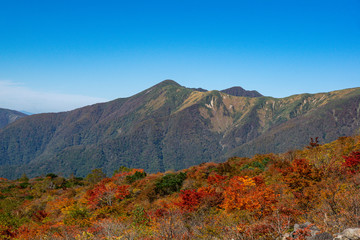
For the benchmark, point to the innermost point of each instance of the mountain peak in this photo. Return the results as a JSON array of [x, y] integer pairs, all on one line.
[[240, 92], [168, 82], [234, 91], [161, 85]]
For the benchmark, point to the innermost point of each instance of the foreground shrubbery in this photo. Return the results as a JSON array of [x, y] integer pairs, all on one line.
[[244, 198]]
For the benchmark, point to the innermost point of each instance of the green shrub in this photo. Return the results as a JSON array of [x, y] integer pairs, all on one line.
[[8, 219], [169, 183], [95, 176], [260, 165], [24, 178], [24, 185], [73, 181], [79, 213], [29, 197], [136, 176]]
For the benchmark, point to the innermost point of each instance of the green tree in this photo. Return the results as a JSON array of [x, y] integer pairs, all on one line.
[[95, 176]]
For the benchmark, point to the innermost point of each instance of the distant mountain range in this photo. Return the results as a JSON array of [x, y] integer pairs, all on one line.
[[169, 126], [8, 116]]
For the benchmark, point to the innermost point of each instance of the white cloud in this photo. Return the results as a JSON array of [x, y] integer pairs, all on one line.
[[16, 96]]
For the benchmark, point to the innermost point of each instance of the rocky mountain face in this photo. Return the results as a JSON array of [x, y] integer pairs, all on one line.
[[172, 127], [8, 116]]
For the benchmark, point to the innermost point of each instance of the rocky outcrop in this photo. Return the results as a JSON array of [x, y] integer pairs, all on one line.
[[309, 231], [348, 234]]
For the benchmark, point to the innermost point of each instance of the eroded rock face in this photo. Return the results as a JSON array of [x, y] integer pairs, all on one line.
[[349, 234]]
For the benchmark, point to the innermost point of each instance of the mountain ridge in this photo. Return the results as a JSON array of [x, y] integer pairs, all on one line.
[[234, 91], [8, 116], [240, 92], [168, 126]]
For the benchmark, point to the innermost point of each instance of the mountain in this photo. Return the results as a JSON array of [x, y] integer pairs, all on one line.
[[8, 116], [172, 127], [240, 92], [234, 91]]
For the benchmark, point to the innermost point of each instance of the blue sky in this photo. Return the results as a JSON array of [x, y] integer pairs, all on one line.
[[59, 55]]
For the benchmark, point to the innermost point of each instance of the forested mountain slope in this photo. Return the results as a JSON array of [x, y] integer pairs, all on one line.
[[172, 127]]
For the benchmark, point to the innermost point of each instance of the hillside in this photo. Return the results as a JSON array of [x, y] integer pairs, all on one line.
[[172, 127], [262, 197], [8, 116]]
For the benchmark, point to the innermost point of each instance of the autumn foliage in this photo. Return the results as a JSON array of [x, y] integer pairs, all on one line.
[[250, 194], [105, 192], [244, 198], [352, 162]]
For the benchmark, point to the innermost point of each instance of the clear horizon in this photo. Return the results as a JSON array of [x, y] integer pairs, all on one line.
[[60, 55]]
